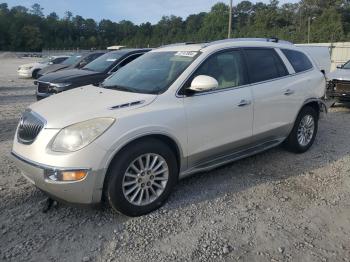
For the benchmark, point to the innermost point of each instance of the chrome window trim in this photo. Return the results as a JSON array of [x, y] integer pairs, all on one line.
[[236, 87], [285, 60]]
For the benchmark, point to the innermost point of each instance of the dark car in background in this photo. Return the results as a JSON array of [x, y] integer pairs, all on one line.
[[93, 73], [78, 60]]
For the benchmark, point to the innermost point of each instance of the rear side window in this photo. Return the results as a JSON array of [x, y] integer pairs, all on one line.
[[264, 64], [298, 60]]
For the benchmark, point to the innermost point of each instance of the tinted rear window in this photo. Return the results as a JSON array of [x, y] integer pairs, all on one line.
[[298, 60], [264, 64]]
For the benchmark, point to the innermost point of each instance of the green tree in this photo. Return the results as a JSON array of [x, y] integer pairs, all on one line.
[[37, 10], [23, 29], [215, 23], [31, 38]]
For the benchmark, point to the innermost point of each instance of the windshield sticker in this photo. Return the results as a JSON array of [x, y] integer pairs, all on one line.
[[111, 59], [186, 53]]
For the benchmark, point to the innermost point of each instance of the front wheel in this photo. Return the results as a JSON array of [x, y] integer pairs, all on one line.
[[35, 73], [304, 131], [141, 177]]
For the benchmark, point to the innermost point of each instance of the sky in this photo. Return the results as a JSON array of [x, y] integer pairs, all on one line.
[[137, 11]]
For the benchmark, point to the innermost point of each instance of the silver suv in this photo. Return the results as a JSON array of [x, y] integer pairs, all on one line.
[[175, 111]]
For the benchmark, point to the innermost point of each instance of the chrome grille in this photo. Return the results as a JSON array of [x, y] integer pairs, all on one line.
[[43, 87], [342, 86], [29, 127]]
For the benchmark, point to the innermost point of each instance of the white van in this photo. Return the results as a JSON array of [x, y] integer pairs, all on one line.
[[321, 56]]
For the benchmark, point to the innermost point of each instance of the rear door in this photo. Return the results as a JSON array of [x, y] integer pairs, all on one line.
[[276, 96]]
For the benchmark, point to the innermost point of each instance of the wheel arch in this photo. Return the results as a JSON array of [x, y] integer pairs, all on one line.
[[165, 138], [35, 71], [316, 103]]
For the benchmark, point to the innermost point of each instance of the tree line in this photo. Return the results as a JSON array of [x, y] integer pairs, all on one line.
[[23, 29]]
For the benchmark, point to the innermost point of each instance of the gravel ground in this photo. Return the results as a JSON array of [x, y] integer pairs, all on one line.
[[275, 206]]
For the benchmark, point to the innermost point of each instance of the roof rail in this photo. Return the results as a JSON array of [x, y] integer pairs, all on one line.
[[272, 39], [184, 43]]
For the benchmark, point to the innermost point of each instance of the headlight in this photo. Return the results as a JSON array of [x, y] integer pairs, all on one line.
[[60, 85], [78, 136]]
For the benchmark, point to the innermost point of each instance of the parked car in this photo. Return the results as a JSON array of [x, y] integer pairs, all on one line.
[[93, 73], [31, 70], [175, 111], [75, 61], [339, 83]]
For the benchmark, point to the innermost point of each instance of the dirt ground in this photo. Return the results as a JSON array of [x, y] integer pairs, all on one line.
[[275, 206]]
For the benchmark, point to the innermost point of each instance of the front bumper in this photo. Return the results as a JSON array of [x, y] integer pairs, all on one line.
[[341, 96], [40, 96], [339, 90], [76, 192], [25, 73]]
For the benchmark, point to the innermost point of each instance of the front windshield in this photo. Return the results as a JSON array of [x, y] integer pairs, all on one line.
[[71, 60], [103, 62], [152, 73], [347, 65]]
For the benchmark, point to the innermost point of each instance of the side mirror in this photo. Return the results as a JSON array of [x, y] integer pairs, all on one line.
[[339, 66], [203, 83], [82, 64]]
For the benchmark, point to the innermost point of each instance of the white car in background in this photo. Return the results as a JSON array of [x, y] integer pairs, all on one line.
[[31, 70]]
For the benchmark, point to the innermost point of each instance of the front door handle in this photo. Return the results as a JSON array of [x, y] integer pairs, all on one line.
[[244, 103], [289, 92]]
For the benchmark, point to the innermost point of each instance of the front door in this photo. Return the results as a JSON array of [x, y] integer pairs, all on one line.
[[219, 121]]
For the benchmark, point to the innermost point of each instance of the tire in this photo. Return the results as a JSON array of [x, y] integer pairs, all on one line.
[[117, 188], [296, 145], [35, 73]]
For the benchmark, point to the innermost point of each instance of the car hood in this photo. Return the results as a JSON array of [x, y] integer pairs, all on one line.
[[66, 75], [53, 68], [88, 102], [339, 74]]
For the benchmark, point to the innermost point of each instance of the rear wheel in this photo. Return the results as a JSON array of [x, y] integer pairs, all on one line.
[[141, 178], [304, 131]]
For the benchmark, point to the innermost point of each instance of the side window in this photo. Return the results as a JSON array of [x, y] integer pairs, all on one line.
[[126, 61], [93, 57], [264, 64], [298, 60], [226, 67]]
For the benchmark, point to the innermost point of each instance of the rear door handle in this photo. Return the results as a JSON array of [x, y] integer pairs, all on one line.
[[244, 103], [289, 92]]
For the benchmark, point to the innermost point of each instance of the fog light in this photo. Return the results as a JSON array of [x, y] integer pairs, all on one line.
[[72, 175]]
